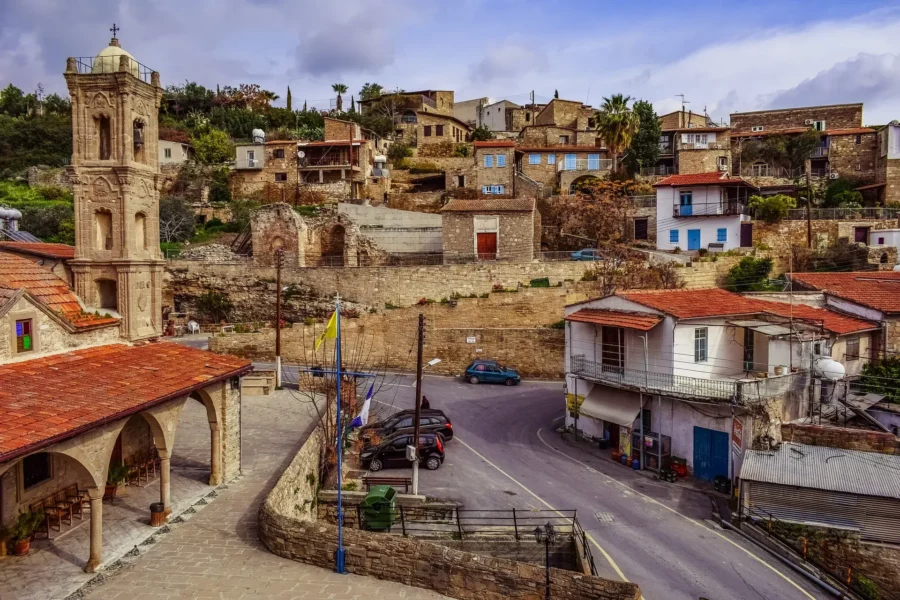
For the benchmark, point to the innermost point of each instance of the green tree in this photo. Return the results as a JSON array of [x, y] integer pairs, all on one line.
[[370, 91], [214, 305], [241, 211], [41, 140], [352, 104], [55, 104], [644, 148], [12, 101], [398, 153], [179, 100], [841, 193], [481, 133], [288, 99], [771, 209], [617, 124], [214, 147], [798, 148], [556, 94], [749, 275], [176, 219], [219, 189], [339, 88], [882, 377]]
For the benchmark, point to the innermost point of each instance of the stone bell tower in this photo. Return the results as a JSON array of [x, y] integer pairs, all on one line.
[[115, 171]]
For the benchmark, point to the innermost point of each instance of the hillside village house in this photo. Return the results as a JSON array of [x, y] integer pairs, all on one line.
[[703, 211], [174, 153], [471, 112], [697, 366], [491, 229], [84, 383], [690, 143], [561, 168], [887, 166]]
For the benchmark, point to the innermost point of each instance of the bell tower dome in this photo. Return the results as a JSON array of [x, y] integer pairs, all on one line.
[[115, 171]]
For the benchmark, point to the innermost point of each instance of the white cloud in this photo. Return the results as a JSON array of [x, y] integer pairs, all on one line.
[[506, 61]]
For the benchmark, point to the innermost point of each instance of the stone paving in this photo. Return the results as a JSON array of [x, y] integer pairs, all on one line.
[[54, 568], [217, 552]]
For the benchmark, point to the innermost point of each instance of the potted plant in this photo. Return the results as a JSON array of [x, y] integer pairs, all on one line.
[[5, 534], [23, 530], [117, 474]]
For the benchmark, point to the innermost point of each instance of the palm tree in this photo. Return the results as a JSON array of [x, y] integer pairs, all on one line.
[[339, 89], [617, 124]]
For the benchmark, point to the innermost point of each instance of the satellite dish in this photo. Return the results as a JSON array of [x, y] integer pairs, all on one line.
[[301, 154], [829, 368]]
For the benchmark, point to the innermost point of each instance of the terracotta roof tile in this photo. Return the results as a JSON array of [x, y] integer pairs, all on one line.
[[59, 251], [18, 272], [490, 204], [875, 289], [616, 318], [712, 178], [50, 398], [495, 144]]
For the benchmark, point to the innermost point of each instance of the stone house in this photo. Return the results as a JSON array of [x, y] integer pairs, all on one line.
[[174, 153], [569, 114], [77, 396], [494, 170], [430, 101], [269, 168], [491, 229], [519, 117], [559, 167], [886, 188], [846, 147], [421, 128], [689, 143]]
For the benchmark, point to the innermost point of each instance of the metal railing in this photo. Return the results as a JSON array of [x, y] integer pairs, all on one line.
[[665, 147], [771, 171], [110, 64], [584, 164], [586, 554], [819, 152], [657, 171], [703, 146], [707, 209], [326, 161], [242, 162], [839, 214], [461, 523], [648, 201]]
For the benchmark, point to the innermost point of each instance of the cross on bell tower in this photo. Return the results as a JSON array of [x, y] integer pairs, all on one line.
[[114, 29]]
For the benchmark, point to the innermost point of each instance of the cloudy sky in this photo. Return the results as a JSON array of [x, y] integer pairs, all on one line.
[[724, 56]]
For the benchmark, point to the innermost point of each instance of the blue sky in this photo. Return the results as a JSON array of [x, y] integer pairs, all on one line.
[[724, 56]]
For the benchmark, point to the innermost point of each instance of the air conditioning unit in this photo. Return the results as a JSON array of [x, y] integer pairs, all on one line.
[[809, 122], [757, 128], [833, 176], [723, 167]]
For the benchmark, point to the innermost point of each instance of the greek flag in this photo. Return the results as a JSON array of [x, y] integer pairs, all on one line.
[[363, 417]]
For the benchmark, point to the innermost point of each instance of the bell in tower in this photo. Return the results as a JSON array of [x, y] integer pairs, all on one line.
[[115, 170]]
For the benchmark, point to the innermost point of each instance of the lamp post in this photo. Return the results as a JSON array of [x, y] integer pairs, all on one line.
[[547, 535]]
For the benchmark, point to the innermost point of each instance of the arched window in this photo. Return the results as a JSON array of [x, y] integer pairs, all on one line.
[[104, 137], [408, 117], [884, 258], [140, 231], [140, 154], [103, 239]]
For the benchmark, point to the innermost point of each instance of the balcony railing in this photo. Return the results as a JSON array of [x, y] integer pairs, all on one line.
[[661, 171], [820, 152], [707, 209], [243, 162], [844, 214], [665, 147], [110, 64], [738, 390], [643, 201], [703, 146], [584, 164]]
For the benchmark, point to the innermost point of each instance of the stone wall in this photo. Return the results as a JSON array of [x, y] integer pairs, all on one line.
[[547, 135], [707, 273], [318, 193], [494, 175], [840, 116], [42, 175], [850, 159], [424, 202], [453, 130], [515, 235], [840, 437], [702, 161], [287, 528], [445, 149]]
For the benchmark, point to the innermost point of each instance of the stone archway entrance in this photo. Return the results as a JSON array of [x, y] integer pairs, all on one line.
[[333, 246]]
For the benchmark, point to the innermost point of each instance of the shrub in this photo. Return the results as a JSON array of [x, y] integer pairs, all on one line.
[[398, 152], [461, 150], [772, 209], [423, 166], [543, 282], [749, 275], [561, 324], [214, 305]]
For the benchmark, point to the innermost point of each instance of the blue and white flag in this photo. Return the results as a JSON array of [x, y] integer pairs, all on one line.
[[363, 417]]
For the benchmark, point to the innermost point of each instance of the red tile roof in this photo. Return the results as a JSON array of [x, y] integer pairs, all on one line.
[[716, 302], [712, 178], [875, 289], [616, 318], [18, 272], [495, 144], [58, 251], [490, 205], [49, 399], [850, 131]]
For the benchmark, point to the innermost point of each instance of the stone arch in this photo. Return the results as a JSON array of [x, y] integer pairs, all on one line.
[[884, 258], [103, 130], [333, 244], [100, 100], [102, 190], [140, 231], [103, 229], [580, 181], [214, 420]]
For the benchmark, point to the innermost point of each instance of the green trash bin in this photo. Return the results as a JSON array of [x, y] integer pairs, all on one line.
[[379, 508]]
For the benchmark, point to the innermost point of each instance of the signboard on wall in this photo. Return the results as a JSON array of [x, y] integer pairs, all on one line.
[[470, 339], [737, 435]]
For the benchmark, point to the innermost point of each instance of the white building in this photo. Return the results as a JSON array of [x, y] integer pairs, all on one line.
[[493, 116], [173, 153], [470, 111], [702, 211], [697, 364]]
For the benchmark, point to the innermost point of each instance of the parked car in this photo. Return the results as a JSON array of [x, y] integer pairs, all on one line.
[[392, 452], [490, 371], [431, 420], [586, 254]]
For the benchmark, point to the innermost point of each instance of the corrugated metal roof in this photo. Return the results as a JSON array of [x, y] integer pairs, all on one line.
[[824, 468]]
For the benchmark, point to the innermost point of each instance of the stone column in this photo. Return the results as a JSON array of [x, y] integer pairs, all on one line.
[[164, 485], [215, 458], [96, 498]]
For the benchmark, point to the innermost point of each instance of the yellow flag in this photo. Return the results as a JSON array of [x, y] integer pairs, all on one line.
[[330, 330]]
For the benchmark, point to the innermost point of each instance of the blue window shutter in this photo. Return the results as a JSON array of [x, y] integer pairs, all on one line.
[[501, 189], [570, 162], [484, 189], [534, 158], [673, 236], [501, 160], [488, 161], [551, 159], [722, 235]]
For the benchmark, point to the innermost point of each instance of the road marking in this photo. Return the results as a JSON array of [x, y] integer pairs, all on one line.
[[548, 505], [694, 521]]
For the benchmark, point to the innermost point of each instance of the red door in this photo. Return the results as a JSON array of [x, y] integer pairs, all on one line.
[[487, 246]]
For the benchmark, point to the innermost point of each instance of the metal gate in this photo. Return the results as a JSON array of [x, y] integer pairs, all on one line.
[[710, 453]]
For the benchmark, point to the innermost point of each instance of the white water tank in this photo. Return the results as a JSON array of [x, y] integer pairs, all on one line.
[[828, 368], [258, 136]]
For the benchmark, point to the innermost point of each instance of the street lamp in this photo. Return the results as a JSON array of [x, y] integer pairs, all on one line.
[[547, 535]]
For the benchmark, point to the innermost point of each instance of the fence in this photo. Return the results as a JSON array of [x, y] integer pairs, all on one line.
[[462, 523], [112, 64], [855, 580], [648, 201], [657, 171], [584, 164], [844, 214]]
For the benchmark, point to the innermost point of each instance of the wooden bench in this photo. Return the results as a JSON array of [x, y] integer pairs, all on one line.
[[391, 481]]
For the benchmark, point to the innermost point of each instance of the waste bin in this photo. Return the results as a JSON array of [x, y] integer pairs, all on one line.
[[379, 508], [157, 514]]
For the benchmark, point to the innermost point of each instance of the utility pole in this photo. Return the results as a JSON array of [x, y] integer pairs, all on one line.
[[681, 116], [279, 262], [419, 366]]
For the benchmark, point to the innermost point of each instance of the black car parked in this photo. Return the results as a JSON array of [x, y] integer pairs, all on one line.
[[431, 420], [392, 452]]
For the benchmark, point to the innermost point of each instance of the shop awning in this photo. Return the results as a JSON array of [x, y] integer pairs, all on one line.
[[616, 318], [611, 405]]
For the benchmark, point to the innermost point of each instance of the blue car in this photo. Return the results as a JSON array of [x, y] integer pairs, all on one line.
[[586, 254], [490, 371]]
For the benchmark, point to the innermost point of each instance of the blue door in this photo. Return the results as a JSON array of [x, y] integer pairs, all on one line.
[[693, 239], [710, 453], [685, 204], [593, 162]]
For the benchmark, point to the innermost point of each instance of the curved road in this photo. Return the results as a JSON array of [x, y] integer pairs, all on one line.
[[506, 453]]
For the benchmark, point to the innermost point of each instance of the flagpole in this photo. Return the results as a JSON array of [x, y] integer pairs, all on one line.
[[339, 554]]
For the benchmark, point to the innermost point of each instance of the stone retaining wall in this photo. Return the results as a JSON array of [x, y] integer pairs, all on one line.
[[839, 437], [290, 532]]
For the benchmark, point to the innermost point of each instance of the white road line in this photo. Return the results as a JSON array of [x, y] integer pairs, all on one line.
[[689, 519]]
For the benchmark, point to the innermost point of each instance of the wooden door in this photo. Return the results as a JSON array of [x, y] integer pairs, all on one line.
[[746, 235], [640, 229], [487, 246]]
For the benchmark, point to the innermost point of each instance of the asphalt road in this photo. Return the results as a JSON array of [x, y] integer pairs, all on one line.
[[507, 454]]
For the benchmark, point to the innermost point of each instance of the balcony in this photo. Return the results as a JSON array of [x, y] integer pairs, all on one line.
[[704, 146], [736, 390], [661, 171], [820, 152], [584, 164], [243, 162], [708, 209], [665, 147]]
